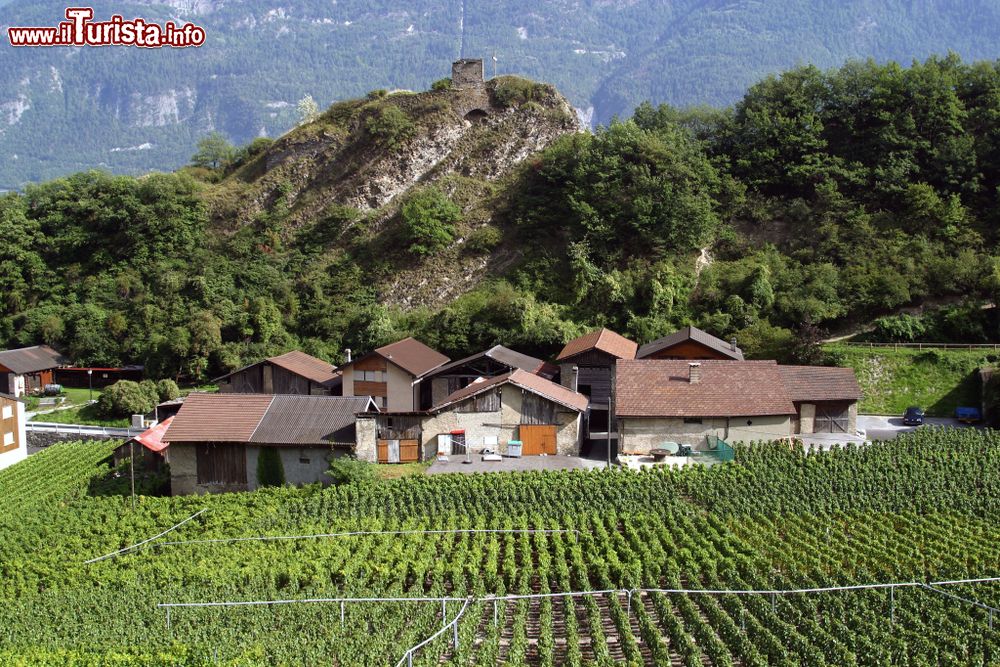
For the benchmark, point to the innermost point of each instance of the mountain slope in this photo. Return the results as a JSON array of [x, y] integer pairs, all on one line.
[[132, 110]]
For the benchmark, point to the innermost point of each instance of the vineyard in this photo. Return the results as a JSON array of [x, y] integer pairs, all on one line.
[[920, 509]]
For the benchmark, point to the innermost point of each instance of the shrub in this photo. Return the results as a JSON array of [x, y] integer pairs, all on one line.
[[512, 91], [270, 471], [349, 470], [167, 390], [484, 239], [390, 126], [429, 218], [125, 398], [441, 84]]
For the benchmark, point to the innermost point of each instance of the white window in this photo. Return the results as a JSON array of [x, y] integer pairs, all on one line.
[[8, 439], [369, 376], [8, 411]]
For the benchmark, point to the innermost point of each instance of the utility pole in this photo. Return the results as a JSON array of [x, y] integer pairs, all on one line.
[[609, 432], [131, 465]]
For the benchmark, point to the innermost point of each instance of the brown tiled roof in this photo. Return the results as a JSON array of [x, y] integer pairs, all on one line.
[[525, 380], [218, 417], [32, 359], [694, 334], [300, 363], [267, 419], [307, 366], [661, 388], [820, 383], [604, 340], [412, 356]]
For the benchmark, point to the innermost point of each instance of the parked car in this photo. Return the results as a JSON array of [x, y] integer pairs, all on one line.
[[967, 415], [913, 416]]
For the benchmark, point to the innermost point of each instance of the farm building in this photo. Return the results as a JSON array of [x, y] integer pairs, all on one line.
[[13, 441], [690, 343], [294, 372], [149, 448], [660, 401], [587, 365], [217, 440], [497, 360], [390, 374], [97, 377], [825, 399], [520, 406], [693, 402], [29, 369]]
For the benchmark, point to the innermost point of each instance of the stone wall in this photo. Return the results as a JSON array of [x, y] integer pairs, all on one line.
[[467, 73], [365, 450], [503, 425], [638, 436], [42, 439]]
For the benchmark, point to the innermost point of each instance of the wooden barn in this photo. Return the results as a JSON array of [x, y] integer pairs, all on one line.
[[294, 372], [216, 440], [446, 380], [28, 369], [690, 343], [587, 365]]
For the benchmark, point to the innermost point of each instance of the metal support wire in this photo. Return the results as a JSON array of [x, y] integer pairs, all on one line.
[[144, 542], [408, 656], [985, 607]]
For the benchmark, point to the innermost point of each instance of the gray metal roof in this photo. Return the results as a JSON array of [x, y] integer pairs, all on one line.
[[32, 359], [310, 420]]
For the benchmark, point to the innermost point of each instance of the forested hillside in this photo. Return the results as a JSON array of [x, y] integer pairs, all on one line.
[[132, 110], [821, 200]]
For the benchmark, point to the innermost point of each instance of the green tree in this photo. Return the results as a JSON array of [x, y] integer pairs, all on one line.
[[307, 110], [429, 218], [214, 152]]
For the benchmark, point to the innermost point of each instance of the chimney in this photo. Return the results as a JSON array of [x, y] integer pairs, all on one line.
[[348, 353], [732, 343], [694, 372], [575, 382]]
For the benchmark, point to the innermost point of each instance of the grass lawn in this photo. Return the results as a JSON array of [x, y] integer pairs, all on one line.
[[80, 414], [938, 380], [397, 470]]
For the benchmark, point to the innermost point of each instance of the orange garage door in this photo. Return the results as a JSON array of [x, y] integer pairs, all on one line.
[[538, 440]]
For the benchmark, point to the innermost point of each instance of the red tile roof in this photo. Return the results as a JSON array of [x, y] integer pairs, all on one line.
[[412, 356], [820, 383], [603, 340], [655, 388], [527, 381]]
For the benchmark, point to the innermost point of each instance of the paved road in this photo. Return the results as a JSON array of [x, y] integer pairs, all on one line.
[[455, 464], [883, 427]]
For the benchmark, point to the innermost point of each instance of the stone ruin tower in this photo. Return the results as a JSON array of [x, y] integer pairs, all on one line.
[[467, 78], [467, 73]]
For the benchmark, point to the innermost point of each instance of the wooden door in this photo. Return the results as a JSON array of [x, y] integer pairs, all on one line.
[[409, 451], [398, 451], [832, 417], [537, 439]]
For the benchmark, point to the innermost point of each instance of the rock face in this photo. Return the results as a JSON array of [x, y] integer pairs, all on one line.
[[344, 158], [367, 155]]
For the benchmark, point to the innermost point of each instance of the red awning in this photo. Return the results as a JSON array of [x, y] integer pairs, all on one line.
[[153, 438]]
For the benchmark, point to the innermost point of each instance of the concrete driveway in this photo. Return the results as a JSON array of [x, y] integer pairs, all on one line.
[[456, 464], [885, 427]]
